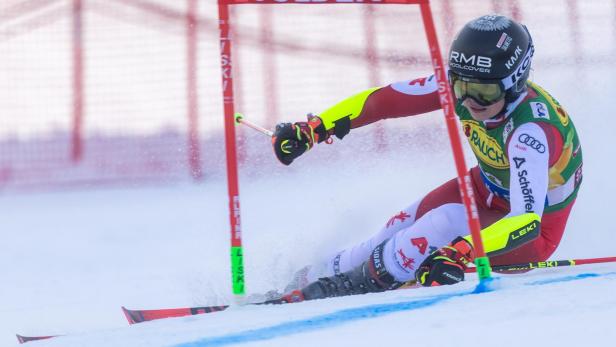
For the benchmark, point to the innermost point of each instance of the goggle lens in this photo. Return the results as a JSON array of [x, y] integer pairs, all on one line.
[[484, 93]]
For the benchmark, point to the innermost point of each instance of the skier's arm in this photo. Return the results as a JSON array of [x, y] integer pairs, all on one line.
[[529, 157], [399, 99]]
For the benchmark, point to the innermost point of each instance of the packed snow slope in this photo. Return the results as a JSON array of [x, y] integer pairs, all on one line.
[[557, 308]]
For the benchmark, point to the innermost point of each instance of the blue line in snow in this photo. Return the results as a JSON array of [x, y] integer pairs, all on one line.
[[348, 315], [570, 278], [319, 322]]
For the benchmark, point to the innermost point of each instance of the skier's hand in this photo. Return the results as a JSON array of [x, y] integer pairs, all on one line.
[[446, 265], [291, 140]]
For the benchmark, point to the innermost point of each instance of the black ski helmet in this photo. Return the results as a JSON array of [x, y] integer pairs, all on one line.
[[493, 48]]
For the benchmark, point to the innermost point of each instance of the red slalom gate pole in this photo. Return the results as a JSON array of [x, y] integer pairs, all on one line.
[[464, 180], [237, 253]]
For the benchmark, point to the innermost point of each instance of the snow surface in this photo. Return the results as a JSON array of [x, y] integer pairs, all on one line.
[[542, 313], [70, 259]]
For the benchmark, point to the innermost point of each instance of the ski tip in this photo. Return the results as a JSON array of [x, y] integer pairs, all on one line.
[[20, 338], [24, 339], [129, 316]]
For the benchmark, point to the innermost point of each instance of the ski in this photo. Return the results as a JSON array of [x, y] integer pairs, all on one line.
[[24, 339], [138, 316]]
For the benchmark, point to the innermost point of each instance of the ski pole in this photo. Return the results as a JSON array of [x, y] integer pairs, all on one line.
[[239, 119], [548, 264]]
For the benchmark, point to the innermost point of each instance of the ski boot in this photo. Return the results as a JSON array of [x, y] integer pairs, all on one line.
[[369, 277]]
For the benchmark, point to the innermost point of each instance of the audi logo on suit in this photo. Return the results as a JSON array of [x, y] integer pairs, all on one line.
[[532, 143]]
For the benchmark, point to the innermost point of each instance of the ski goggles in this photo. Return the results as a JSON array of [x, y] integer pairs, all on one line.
[[484, 92], [487, 92]]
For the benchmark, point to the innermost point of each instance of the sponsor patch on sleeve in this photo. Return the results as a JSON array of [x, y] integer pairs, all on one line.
[[419, 86], [540, 110]]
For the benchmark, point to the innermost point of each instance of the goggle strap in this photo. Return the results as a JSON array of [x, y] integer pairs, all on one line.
[[515, 76]]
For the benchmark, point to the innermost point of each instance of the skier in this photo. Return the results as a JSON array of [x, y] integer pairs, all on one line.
[[528, 174]]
